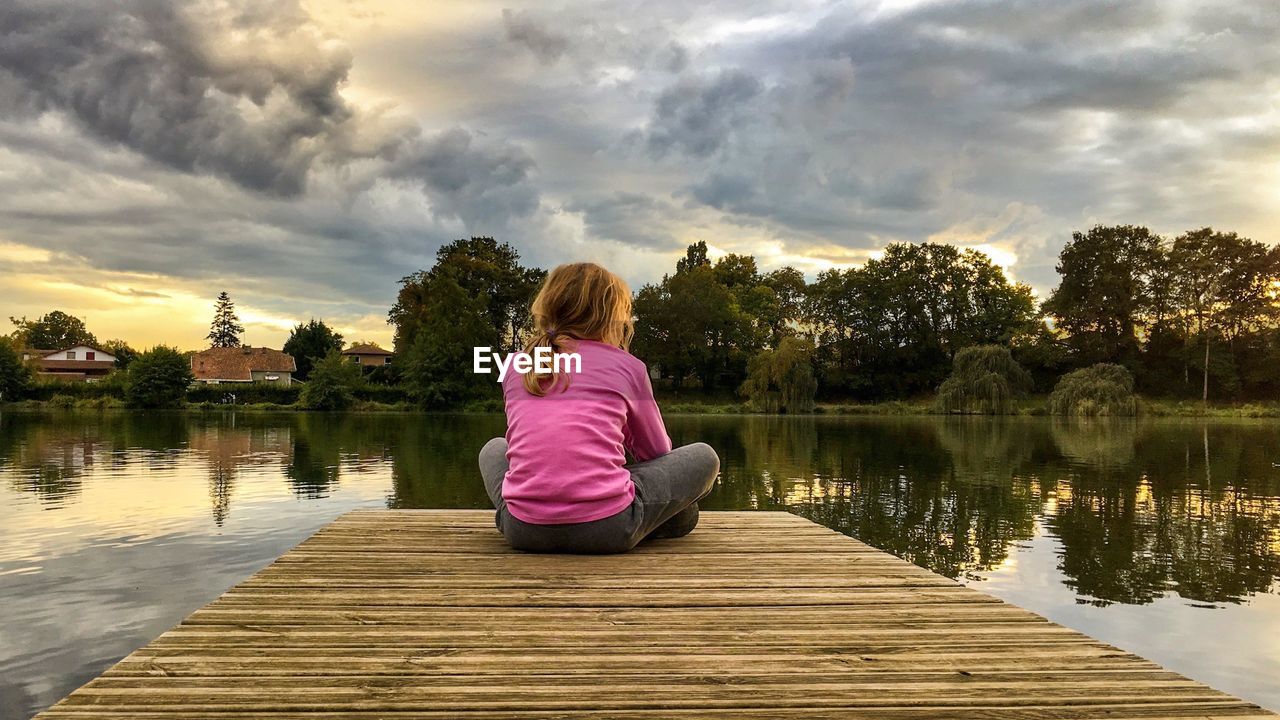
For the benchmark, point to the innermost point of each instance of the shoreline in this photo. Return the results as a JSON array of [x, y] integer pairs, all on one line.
[[1028, 407]]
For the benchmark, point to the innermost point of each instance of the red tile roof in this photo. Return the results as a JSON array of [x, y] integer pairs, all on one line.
[[239, 363], [366, 350]]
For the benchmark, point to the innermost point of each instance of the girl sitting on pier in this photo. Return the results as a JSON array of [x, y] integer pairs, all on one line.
[[560, 479]]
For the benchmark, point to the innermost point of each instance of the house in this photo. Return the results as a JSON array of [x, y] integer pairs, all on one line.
[[82, 363], [243, 365], [368, 355]]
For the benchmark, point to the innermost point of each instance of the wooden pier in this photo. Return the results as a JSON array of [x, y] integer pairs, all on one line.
[[427, 614]]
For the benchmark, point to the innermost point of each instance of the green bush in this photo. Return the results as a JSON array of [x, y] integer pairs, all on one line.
[[781, 380], [985, 379], [16, 377], [111, 386], [245, 393], [332, 384], [385, 394], [1102, 389], [158, 378], [62, 402], [485, 405], [375, 406], [102, 402]]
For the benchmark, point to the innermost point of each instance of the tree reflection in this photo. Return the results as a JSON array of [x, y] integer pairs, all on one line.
[[316, 453], [1139, 508], [937, 494], [434, 460], [49, 455], [1147, 516]]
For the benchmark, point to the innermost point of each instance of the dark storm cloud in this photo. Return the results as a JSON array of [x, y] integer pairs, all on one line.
[[696, 115], [637, 219], [483, 184], [280, 181], [210, 139], [166, 80], [229, 90], [724, 191], [862, 127]]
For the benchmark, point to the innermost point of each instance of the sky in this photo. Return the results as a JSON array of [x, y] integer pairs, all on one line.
[[306, 156]]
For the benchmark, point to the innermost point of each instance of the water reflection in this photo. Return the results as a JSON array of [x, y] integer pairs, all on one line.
[[1135, 512], [1141, 509]]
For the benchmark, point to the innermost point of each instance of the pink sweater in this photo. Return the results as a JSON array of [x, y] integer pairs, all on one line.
[[566, 449]]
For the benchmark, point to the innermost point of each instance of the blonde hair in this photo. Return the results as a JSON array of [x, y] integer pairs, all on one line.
[[578, 301]]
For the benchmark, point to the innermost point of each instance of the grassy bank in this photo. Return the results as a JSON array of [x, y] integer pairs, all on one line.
[[62, 402], [1030, 406]]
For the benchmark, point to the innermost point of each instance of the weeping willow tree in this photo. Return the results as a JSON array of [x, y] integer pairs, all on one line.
[[1102, 389], [985, 379], [781, 380]]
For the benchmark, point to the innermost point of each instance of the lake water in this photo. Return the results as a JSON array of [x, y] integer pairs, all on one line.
[[1161, 537]]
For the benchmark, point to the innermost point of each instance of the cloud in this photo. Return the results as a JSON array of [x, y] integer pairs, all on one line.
[[633, 218], [248, 92], [483, 184], [544, 43], [193, 142], [310, 156], [697, 115]]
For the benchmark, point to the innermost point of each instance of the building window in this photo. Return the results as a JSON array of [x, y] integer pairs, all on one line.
[[355, 359], [90, 355], [71, 354], [386, 360]]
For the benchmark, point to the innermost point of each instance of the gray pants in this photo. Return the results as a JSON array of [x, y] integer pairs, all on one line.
[[666, 504]]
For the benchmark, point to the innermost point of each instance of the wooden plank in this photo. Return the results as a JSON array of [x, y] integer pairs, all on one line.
[[427, 614]]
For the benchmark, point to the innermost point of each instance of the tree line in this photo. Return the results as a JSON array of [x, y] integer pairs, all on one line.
[[1197, 315], [1193, 316]]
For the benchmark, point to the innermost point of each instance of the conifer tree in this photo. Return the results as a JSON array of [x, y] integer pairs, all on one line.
[[226, 328]]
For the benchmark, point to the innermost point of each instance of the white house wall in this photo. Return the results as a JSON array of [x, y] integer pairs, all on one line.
[[80, 351]]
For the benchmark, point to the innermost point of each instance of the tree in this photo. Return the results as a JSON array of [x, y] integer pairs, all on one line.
[[834, 315], [158, 378], [332, 384], [15, 375], [226, 328], [54, 331], [893, 326], [1227, 285], [695, 256], [1105, 295], [985, 379], [788, 286], [692, 324], [122, 351], [757, 311], [311, 342], [437, 367], [707, 319], [781, 380], [1100, 389], [484, 268]]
